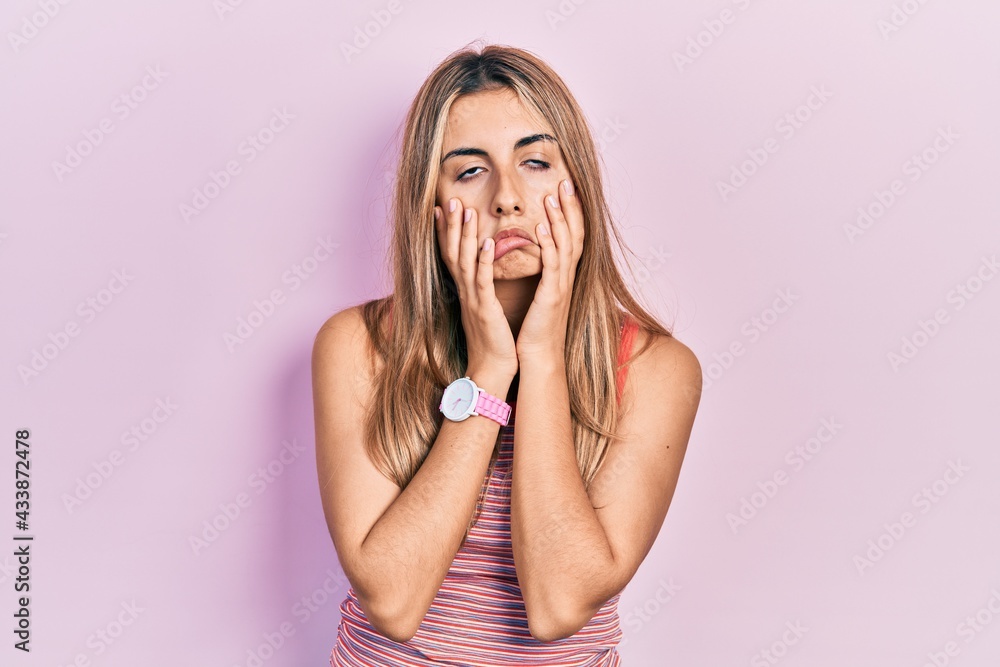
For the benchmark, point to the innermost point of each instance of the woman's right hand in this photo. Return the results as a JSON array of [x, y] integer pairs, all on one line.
[[487, 333]]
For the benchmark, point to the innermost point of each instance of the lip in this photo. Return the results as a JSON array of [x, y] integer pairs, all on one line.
[[510, 239]]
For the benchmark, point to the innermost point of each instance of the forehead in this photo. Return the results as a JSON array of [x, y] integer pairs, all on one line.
[[496, 117]]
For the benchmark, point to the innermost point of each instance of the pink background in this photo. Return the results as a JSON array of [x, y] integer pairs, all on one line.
[[713, 266]]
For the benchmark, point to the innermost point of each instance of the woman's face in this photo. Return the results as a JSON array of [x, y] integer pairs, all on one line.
[[501, 161]]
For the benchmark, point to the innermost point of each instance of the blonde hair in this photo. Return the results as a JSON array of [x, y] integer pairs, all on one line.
[[422, 345]]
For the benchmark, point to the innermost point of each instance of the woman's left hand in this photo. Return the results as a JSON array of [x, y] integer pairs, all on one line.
[[543, 332]]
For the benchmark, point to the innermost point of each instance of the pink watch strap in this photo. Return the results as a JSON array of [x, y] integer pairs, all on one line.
[[492, 407]]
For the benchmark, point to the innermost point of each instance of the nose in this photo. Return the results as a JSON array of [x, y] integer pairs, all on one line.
[[507, 198]]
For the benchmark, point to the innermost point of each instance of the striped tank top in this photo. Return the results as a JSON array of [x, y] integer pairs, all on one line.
[[477, 618]]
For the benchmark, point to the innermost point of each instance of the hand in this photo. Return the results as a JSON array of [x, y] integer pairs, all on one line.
[[543, 332], [487, 333]]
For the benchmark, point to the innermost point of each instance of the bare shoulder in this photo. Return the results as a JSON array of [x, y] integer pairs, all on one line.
[[668, 355], [348, 317], [343, 346], [345, 327], [667, 369]]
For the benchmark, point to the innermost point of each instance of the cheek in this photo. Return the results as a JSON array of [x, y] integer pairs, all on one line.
[[441, 194], [445, 189], [545, 184], [548, 181]]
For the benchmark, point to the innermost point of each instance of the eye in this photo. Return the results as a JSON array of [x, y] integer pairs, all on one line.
[[543, 165], [539, 165], [462, 176]]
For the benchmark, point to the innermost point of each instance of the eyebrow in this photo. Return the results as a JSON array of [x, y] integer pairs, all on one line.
[[519, 144]]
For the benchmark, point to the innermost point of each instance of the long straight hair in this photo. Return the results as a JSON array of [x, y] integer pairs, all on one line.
[[416, 332]]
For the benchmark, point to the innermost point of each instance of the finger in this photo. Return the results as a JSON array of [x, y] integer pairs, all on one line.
[[550, 260], [454, 216], [572, 209], [484, 277], [441, 227], [453, 235], [441, 230], [468, 253], [562, 237], [559, 227]]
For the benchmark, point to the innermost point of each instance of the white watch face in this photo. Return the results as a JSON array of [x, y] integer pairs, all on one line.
[[457, 399]]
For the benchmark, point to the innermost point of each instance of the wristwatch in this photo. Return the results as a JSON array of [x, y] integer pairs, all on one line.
[[462, 399]]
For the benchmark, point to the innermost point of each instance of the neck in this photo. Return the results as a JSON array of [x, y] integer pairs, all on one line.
[[515, 297]]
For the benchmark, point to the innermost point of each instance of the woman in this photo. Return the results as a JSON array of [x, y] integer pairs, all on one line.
[[465, 541]]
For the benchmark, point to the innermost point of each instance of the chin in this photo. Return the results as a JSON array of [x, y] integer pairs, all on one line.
[[516, 271]]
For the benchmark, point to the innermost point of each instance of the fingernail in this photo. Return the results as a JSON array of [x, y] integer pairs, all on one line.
[[451, 206], [487, 244], [568, 187], [437, 213], [544, 230], [468, 214], [553, 202]]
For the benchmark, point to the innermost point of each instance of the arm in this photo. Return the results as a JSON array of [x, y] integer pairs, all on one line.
[[395, 547], [570, 557]]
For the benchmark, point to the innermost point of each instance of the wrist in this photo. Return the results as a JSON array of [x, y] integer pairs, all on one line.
[[541, 360], [493, 381], [549, 346]]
